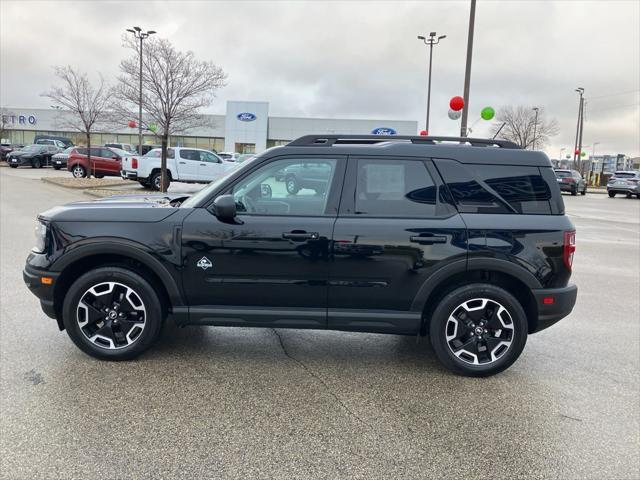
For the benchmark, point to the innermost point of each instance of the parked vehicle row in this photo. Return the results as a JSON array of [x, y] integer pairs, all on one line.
[[190, 165], [35, 156]]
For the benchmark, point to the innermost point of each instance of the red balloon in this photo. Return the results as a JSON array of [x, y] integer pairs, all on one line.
[[456, 103], [577, 152], [132, 124], [423, 132]]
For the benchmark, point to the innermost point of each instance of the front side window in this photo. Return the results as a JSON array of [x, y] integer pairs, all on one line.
[[392, 188], [190, 155], [208, 157], [286, 187]]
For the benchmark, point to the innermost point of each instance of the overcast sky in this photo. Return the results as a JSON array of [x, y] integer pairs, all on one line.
[[360, 59]]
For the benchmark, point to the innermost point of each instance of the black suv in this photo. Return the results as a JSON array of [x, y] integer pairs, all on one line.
[[463, 240]]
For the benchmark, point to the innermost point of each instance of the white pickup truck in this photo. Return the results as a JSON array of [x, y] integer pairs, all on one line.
[[190, 165]]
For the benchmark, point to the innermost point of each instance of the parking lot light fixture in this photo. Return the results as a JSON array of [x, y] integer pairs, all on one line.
[[431, 41], [140, 35]]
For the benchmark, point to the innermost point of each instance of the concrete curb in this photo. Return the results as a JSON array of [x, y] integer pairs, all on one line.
[[51, 180]]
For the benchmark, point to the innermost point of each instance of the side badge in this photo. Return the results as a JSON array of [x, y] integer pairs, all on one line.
[[204, 263]]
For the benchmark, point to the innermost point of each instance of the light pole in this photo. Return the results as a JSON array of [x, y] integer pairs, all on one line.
[[431, 41], [535, 126], [467, 70], [560, 155], [140, 35], [580, 91]]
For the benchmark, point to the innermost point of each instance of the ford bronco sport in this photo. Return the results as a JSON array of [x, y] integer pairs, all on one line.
[[461, 240]]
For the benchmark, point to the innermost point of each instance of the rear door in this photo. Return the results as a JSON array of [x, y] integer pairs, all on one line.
[[111, 161], [188, 164], [393, 231]]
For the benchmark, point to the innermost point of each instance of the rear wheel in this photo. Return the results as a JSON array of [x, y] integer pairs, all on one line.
[[99, 175], [612, 194], [155, 181], [584, 191], [13, 166], [292, 185], [478, 330], [78, 171], [574, 191], [56, 167], [112, 313], [143, 183]]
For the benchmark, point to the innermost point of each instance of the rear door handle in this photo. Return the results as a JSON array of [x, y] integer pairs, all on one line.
[[203, 164], [299, 236], [427, 239], [183, 163]]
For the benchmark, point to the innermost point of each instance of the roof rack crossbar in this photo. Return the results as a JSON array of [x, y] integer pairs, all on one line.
[[332, 139]]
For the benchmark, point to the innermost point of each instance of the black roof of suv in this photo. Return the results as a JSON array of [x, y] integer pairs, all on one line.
[[461, 239]]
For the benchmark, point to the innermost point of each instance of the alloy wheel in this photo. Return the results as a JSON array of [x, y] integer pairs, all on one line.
[[78, 171], [111, 315], [479, 331]]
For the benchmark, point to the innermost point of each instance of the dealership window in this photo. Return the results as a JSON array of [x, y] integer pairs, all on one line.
[[276, 143]]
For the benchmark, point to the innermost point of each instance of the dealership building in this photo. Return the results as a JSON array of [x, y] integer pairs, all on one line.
[[246, 127]]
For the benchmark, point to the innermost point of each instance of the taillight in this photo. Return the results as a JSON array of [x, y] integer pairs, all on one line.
[[134, 163], [569, 248]]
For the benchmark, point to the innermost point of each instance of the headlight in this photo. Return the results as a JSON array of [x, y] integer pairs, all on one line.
[[41, 237]]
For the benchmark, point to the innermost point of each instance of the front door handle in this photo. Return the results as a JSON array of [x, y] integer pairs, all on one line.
[[427, 239], [182, 163], [203, 164], [299, 236]]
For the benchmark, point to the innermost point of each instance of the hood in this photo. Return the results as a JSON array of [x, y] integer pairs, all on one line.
[[120, 208]]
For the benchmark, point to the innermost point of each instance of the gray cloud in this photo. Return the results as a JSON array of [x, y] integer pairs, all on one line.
[[360, 59]]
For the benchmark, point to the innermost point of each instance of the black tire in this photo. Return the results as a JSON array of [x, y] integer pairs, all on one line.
[[13, 166], [291, 183], [99, 175], [574, 192], [56, 167], [450, 305], [612, 194], [155, 181], [143, 183], [584, 191], [78, 171], [153, 313], [36, 163]]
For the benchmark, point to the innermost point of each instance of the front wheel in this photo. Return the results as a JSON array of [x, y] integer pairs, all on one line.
[[292, 185], [612, 194], [112, 313], [35, 163], [478, 330], [584, 191], [56, 167], [79, 171]]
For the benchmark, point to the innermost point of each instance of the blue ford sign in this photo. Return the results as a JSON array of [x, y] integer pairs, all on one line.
[[246, 117], [383, 131]]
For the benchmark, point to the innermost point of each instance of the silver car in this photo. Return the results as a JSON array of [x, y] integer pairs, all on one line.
[[627, 182]]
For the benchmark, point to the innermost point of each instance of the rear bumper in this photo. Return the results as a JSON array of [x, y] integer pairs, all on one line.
[[567, 187], [129, 175], [554, 304], [623, 189]]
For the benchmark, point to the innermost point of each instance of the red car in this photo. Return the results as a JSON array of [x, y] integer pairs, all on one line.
[[105, 161]]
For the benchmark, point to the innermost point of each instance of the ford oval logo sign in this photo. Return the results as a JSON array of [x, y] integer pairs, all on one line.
[[383, 131], [246, 117]]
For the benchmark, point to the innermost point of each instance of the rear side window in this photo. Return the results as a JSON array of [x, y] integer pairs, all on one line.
[[496, 188], [398, 188]]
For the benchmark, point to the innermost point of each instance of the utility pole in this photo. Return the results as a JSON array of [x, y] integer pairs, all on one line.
[[580, 91], [580, 138], [431, 41], [535, 126], [467, 73], [139, 34]]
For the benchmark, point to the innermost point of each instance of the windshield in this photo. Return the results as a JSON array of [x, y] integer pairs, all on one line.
[[196, 198], [31, 148], [68, 150]]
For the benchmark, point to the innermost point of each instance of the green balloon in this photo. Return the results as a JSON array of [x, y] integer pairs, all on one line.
[[582, 154], [487, 113]]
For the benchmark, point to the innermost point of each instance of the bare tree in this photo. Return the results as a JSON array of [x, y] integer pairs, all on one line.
[[84, 105], [175, 87], [5, 124], [520, 126]]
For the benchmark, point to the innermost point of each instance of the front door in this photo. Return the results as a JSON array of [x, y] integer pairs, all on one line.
[[210, 166], [188, 164], [392, 233], [271, 266]]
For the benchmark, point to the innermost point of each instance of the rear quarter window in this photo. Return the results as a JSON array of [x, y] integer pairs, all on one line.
[[480, 188]]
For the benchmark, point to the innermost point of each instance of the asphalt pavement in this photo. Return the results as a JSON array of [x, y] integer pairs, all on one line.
[[211, 402]]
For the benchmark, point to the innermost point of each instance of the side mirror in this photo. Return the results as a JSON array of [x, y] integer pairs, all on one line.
[[225, 207]]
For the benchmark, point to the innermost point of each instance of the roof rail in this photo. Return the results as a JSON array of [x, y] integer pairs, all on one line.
[[329, 140]]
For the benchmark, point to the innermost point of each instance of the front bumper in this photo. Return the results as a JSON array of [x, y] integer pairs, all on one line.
[[19, 161], [33, 278], [554, 304]]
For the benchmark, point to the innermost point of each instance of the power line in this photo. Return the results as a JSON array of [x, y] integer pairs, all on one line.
[[591, 110]]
